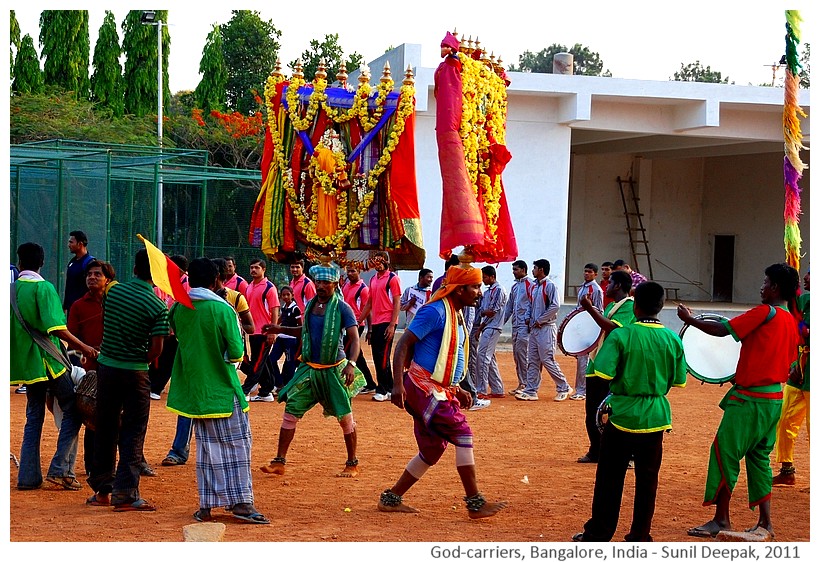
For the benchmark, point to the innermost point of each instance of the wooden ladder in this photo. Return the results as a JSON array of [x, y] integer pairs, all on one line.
[[638, 244]]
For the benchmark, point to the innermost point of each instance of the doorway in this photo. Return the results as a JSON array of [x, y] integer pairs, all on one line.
[[723, 268]]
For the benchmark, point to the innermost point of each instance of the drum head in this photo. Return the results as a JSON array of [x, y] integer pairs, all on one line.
[[579, 333], [602, 414], [710, 359]]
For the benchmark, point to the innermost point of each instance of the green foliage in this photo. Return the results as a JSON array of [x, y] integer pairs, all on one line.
[[695, 72], [28, 78], [249, 47], [14, 39], [59, 115], [211, 93], [332, 53], [106, 83], [65, 46], [805, 73], [139, 43], [584, 63]]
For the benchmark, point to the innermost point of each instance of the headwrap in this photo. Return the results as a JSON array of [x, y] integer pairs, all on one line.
[[324, 272], [457, 276], [451, 41]]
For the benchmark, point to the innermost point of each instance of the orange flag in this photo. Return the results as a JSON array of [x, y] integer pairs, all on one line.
[[165, 274]]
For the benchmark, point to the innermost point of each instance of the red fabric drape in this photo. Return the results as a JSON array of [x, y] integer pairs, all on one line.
[[403, 172]]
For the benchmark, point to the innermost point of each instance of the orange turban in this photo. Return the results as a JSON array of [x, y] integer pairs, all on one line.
[[457, 276]]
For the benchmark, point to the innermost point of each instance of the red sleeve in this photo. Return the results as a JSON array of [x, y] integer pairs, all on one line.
[[364, 297], [273, 298], [310, 291], [396, 287], [748, 322], [74, 322]]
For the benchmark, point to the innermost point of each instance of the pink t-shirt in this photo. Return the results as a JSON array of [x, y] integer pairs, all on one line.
[[260, 311], [382, 299], [302, 284], [236, 283], [349, 291]]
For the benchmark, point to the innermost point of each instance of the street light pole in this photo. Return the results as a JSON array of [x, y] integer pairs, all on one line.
[[149, 18]]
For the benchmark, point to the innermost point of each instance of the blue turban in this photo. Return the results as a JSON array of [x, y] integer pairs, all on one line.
[[323, 272]]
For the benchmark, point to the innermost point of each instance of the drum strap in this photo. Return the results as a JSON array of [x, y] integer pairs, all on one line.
[[612, 311], [39, 338]]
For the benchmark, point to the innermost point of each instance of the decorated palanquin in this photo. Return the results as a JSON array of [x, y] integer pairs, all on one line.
[[338, 170], [471, 121]]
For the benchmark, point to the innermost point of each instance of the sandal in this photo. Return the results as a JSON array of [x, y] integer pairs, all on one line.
[[98, 501], [254, 517], [203, 515], [171, 461], [67, 482], [139, 505]]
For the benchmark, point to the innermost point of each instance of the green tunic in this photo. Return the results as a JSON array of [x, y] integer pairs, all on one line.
[[204, 382], [643, 361], [803, 356], [40, 306]]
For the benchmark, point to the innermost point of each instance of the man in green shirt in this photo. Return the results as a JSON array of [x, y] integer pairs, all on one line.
[[619, 312], [205, 387], [134, 328], [40, 307], [643, 361]]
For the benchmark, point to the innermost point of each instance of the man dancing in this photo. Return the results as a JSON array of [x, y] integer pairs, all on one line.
[[326, 376], [428, 389]]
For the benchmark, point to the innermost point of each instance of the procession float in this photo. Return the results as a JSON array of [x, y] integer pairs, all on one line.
[[338, 169]]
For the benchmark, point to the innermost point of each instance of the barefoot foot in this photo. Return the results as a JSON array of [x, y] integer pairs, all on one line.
[[487, 510], [274, 468], [349, 471], [401, 508]]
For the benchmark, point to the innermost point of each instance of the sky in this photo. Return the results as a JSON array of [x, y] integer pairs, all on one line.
[[635, 39]]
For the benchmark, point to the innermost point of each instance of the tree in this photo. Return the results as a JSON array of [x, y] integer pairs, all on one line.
[[14, 38], [332, 53], [250, 47], [584, 61], [106, 82], [65, 47], [695, 72], [139, 43], [211, 93], [59, 115], [28, 78], [805, 73]]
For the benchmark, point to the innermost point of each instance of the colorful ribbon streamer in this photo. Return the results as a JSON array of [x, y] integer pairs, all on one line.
[[792, 165]]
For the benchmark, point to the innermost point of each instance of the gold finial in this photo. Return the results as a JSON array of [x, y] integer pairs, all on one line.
[[325, 259], [408, 76], [386, 73], [341, 76], [277, 68], [477, 44], [462, 44], [470, 48], [321, 72], [297, 71], [364, 74]]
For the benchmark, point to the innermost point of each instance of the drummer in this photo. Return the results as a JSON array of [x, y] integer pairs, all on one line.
[[751, 408], [590, 290], [644, 360], [619, 312]]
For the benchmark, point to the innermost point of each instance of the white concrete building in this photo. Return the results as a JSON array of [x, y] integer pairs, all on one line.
[[706, 160]]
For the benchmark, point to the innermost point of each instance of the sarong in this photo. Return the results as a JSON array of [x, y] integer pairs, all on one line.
[[437, 416], [311, 385], [223, 459]]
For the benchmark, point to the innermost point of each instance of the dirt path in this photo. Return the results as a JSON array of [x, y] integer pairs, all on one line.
[[513, 440]]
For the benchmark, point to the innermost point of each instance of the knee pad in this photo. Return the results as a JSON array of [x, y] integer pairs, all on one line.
[[464, 456], [289, 421], [348, 424], [417, 467]]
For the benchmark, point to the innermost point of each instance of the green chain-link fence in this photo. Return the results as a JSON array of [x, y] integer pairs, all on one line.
[[110, 192]]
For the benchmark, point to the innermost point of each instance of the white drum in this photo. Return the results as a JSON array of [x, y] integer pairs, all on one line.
[[578, 333], [710, 359]]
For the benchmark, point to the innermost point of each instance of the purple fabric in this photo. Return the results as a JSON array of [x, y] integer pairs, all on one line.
[[435, 422], [370, 225]]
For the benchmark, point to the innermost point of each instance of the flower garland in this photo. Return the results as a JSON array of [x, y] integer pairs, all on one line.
[[306, 217], [330, 143], [483, 122]]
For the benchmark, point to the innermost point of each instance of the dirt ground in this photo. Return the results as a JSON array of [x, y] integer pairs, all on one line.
[[525, 453]]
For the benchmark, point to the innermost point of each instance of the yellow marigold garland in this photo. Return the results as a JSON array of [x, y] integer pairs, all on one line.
[[483, 117]]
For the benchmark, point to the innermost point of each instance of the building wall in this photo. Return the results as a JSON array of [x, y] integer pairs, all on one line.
[[686, 202]]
